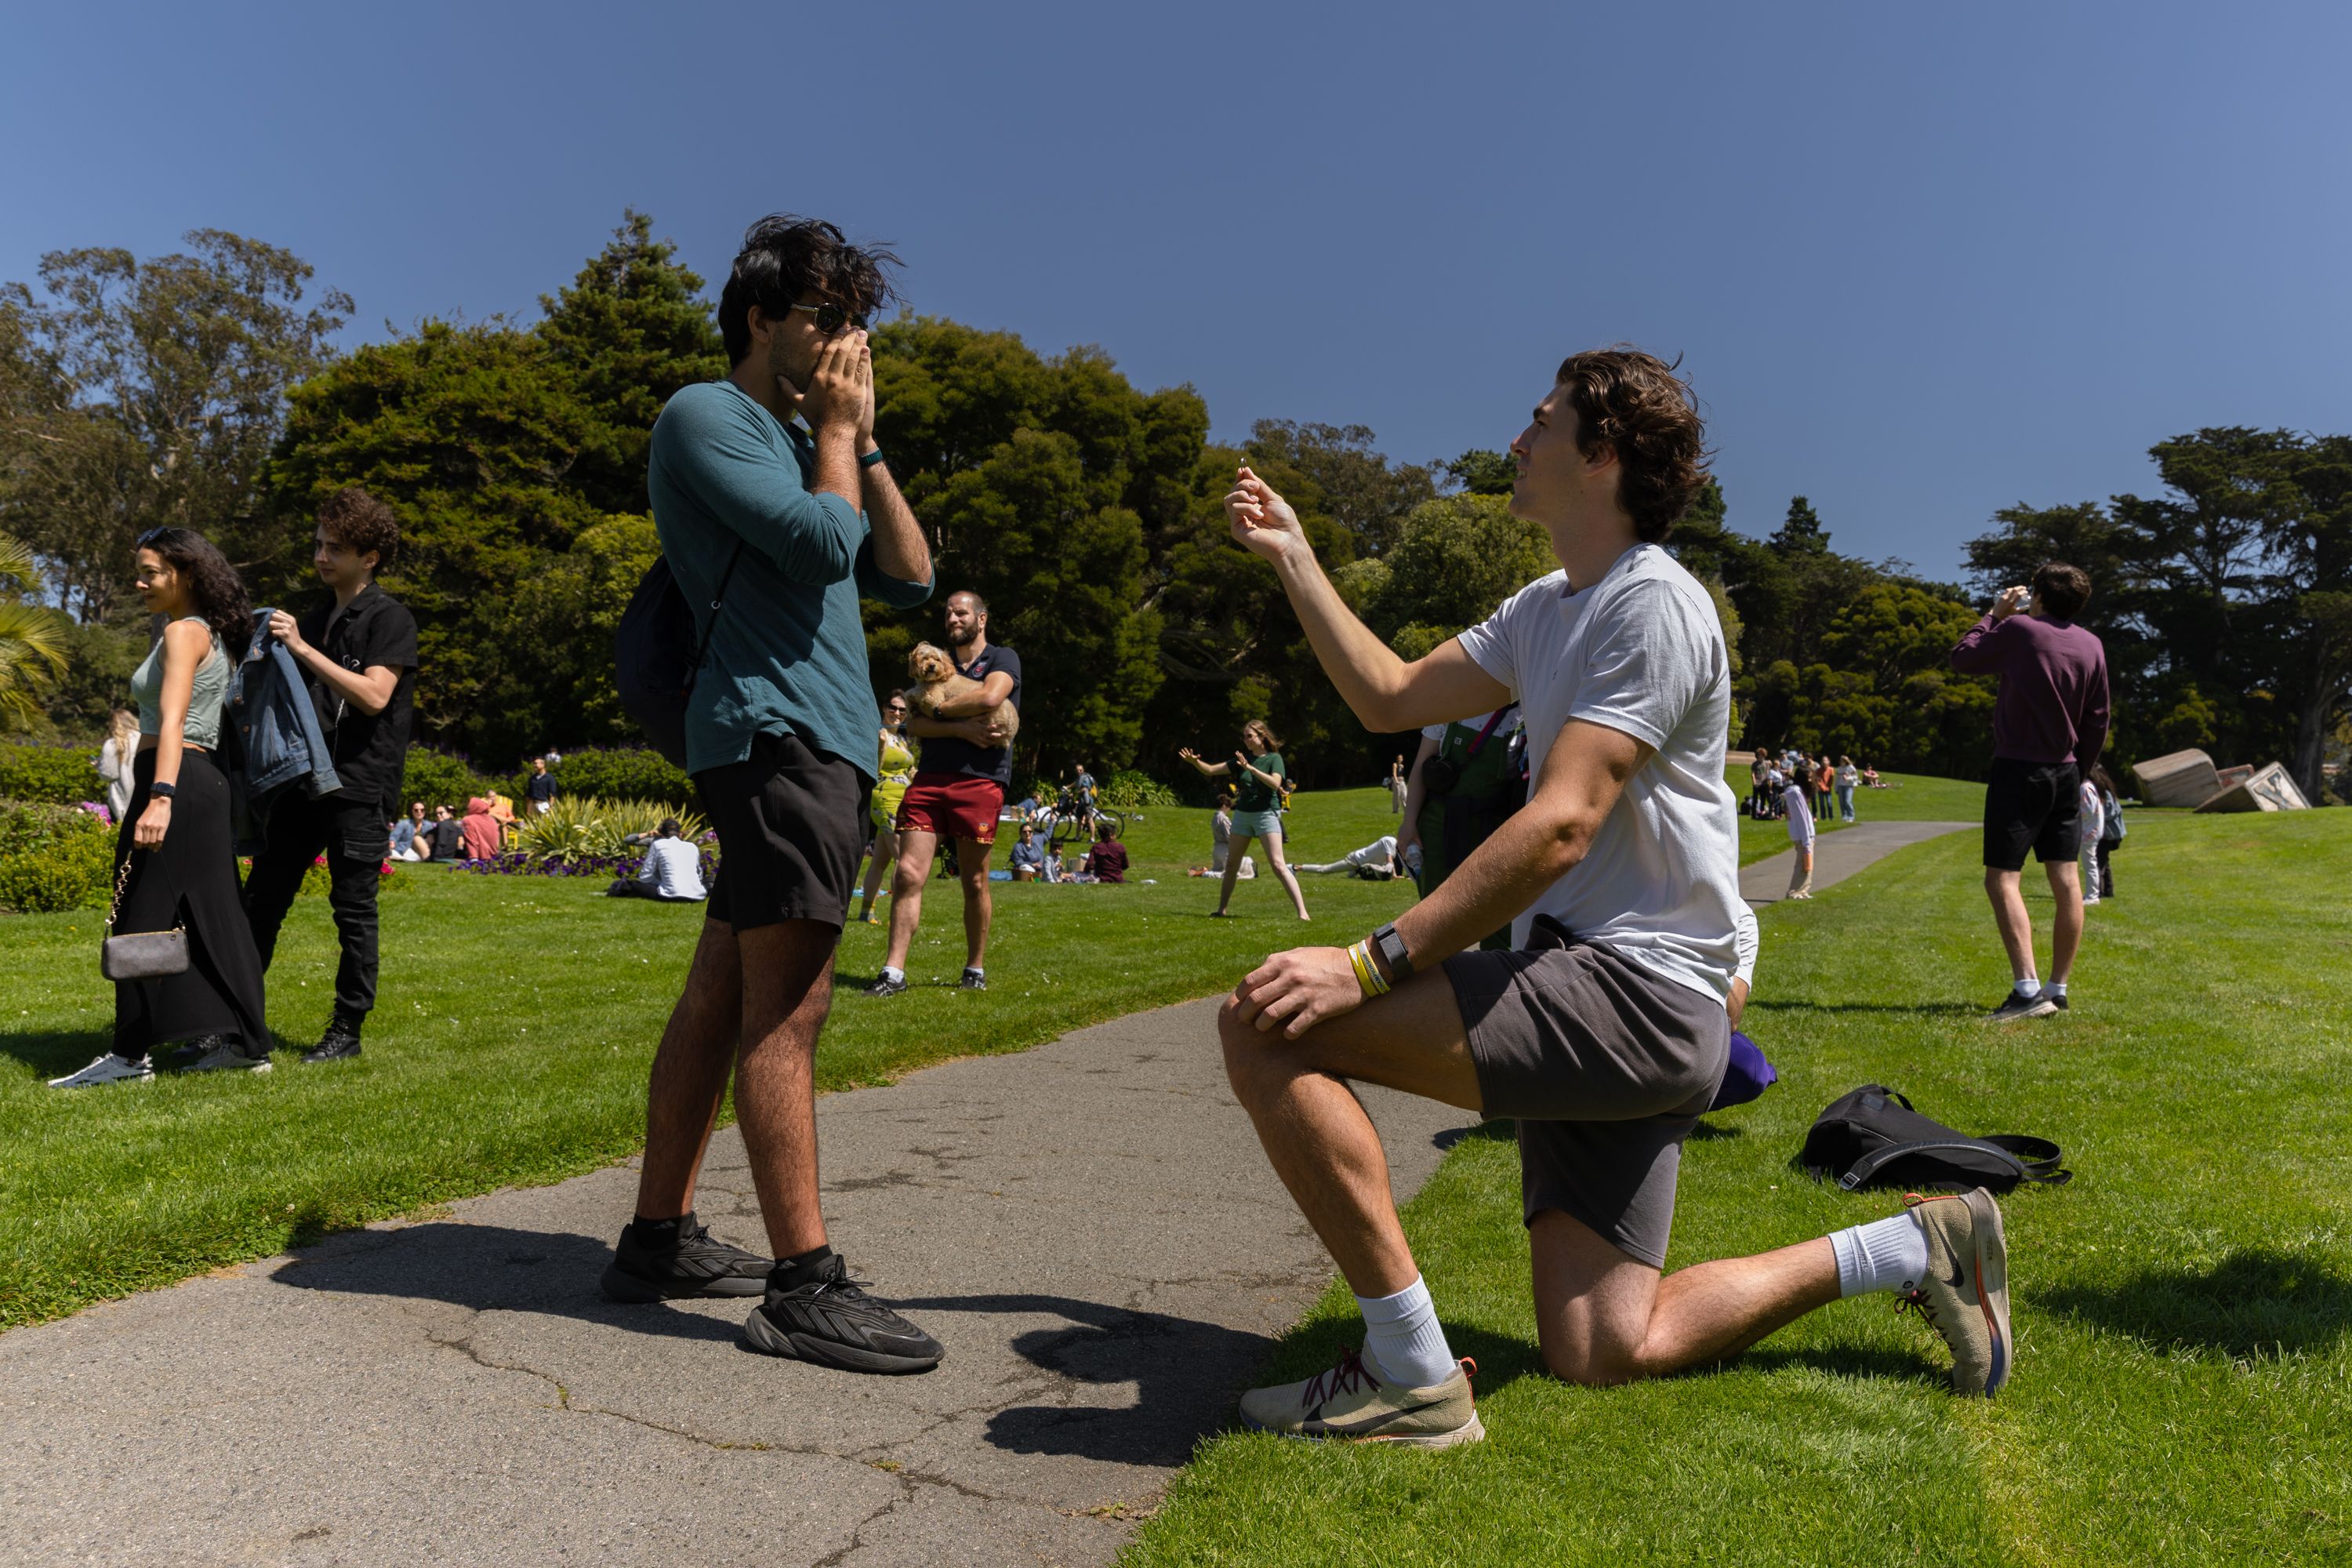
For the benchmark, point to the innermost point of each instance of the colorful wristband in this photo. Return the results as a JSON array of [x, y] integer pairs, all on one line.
[[870, 459]]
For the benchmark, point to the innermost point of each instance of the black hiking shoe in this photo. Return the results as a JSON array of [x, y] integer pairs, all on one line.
[[341, 1043], [973, 980], [884, 987], [831, 1321], [699, 1264]]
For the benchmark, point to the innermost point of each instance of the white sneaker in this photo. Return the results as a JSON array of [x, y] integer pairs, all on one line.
[[228, 1056], [107, 1069]]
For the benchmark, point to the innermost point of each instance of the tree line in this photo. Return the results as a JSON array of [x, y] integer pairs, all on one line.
[[203, 388]]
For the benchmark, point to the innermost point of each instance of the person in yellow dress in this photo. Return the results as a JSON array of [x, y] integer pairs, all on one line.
[[896, 767]]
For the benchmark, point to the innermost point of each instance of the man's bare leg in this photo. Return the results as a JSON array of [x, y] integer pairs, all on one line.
[[916, 849], [978, 907], [689, 1075], [1603, 1316], [2066, 926], [2016, 926], [787, 990]]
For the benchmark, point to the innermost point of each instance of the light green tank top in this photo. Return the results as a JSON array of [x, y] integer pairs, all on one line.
[[204, 702]]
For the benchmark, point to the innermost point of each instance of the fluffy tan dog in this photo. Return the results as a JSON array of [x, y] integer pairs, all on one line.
[[935, 676]]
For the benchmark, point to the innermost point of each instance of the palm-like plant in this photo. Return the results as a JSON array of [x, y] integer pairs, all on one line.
[[32, 642], [582, 827]]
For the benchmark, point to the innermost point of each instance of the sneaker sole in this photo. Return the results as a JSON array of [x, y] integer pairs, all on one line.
[[1990, 1242], [618, 1284], [239, 1066], [1471, 1431], [2041, 1009], [765, 1336]]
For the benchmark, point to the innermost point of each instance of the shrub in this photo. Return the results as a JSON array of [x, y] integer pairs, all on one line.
[[577, 828], [1128, 790], [54, 857], [440, 778], [619, 774], [58, 775]]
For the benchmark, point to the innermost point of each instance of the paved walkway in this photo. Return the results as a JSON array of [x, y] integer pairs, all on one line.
[[1839, 855], [1089, 1226]]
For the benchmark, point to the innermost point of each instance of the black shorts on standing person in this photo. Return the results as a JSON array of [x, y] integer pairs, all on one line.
[[357, 649]]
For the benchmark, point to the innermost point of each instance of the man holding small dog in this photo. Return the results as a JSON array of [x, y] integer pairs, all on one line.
[[958, 793]]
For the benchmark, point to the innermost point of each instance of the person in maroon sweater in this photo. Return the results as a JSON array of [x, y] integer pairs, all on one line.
[[1108, 861], [2049, 723]]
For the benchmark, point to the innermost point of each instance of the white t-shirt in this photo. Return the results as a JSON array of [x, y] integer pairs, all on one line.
[[675, 867], [1641, 652], [1751, 943]]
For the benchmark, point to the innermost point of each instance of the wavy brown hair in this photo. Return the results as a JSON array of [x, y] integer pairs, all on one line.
[[213, 583], [1634, 404], [359, 523]]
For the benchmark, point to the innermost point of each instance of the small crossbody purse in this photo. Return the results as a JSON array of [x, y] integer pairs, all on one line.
[[142, 955]]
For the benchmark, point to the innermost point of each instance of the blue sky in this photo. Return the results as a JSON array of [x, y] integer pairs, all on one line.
[[1919, 264]]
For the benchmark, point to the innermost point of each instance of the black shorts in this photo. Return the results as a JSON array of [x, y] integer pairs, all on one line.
[[791, 826], [1607, 1066], [2031, 805]]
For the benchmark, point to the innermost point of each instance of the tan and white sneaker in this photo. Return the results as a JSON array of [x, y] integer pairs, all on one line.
[[1965, 1297], [1349, 1403]]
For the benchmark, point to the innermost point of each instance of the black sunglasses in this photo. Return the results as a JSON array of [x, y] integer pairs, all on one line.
[[832, 318]]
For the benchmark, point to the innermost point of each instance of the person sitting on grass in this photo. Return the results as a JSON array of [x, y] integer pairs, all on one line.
[[408, 841], [447, 836], [1606, 1034], [672, 872], [1108, 863], [1870, 779], [1375, 862], [1028, 856], [481, 831], [1221, 835], [1053, 869]]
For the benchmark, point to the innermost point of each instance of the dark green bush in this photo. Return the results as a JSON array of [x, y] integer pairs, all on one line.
[[53, 858], [440, 778], [59, 774], [1127, 791], [619, 773]]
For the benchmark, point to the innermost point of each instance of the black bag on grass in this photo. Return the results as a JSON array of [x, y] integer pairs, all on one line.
[[1872, 1138]]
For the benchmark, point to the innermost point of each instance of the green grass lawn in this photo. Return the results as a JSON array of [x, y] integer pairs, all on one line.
[[2184, 1383], [516, 1021]]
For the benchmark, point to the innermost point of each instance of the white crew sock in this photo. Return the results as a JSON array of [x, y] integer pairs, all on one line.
[[1402, 1338], [1887, 1255], [893, 975], [2027, 985], [2054, 988]]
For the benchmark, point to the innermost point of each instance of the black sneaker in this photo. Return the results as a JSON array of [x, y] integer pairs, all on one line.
[[194, 1051], [831, 1321], [341, 1043], [884, 987], [699, 1265], [2055, 1001], [2014, 1006], [973, 980]]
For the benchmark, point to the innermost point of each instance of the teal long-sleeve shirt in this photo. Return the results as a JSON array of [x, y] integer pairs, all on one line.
[[787, 652]]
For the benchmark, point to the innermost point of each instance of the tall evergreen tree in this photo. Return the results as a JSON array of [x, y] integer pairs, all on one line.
[[631, 330]]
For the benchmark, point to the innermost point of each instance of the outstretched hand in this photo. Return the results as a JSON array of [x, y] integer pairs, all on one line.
[[1262, 520], [1299, 989]]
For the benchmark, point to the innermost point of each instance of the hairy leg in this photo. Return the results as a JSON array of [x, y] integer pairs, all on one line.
[[2009, 914], [915, 851], [689, 1075], [1273, 842], [1315, 1130], [787, 990], [1603, 1316], [2066, 926], [1236, 846], [978, 906]]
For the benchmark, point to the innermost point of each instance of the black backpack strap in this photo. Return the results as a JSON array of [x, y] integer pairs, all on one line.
[[2039, 1156], [718, 598], [1867, 1166]]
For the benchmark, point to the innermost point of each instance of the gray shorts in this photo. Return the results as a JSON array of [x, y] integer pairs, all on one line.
[[1606, 1068]]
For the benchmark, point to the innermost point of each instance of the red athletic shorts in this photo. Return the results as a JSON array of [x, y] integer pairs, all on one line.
[[953, 805]]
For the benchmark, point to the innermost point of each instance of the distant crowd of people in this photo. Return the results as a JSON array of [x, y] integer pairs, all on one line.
[[1823, 786]]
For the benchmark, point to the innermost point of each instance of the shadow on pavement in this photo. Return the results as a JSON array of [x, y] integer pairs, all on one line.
[[491, 1268], [1188, 1375], [2254, 1302]]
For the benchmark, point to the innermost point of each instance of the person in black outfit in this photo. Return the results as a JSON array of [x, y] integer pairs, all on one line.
[[358, 654], [541, 787]]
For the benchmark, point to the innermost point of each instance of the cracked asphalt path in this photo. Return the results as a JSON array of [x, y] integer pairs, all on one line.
[[1089, 1226]]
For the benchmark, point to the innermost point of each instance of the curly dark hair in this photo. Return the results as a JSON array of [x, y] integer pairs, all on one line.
[[784, 257], [1635, 402], [212, 583], [2064, 589], [359, 523]]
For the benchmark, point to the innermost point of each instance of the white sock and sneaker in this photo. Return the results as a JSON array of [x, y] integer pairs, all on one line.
[[1406, 1388], [1884, 1254], [2029, 998]]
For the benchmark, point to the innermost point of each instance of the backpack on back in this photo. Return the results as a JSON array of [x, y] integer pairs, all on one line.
[[656, 651], [1872, 1138]]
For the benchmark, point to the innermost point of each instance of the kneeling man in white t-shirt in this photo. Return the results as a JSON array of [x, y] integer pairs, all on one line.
[[1604, 1032]]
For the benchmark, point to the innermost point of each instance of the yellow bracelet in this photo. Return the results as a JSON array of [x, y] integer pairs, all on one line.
[[1368, 973]]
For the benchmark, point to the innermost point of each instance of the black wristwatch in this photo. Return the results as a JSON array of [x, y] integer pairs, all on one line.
[[1392, 950], [160, 790]]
